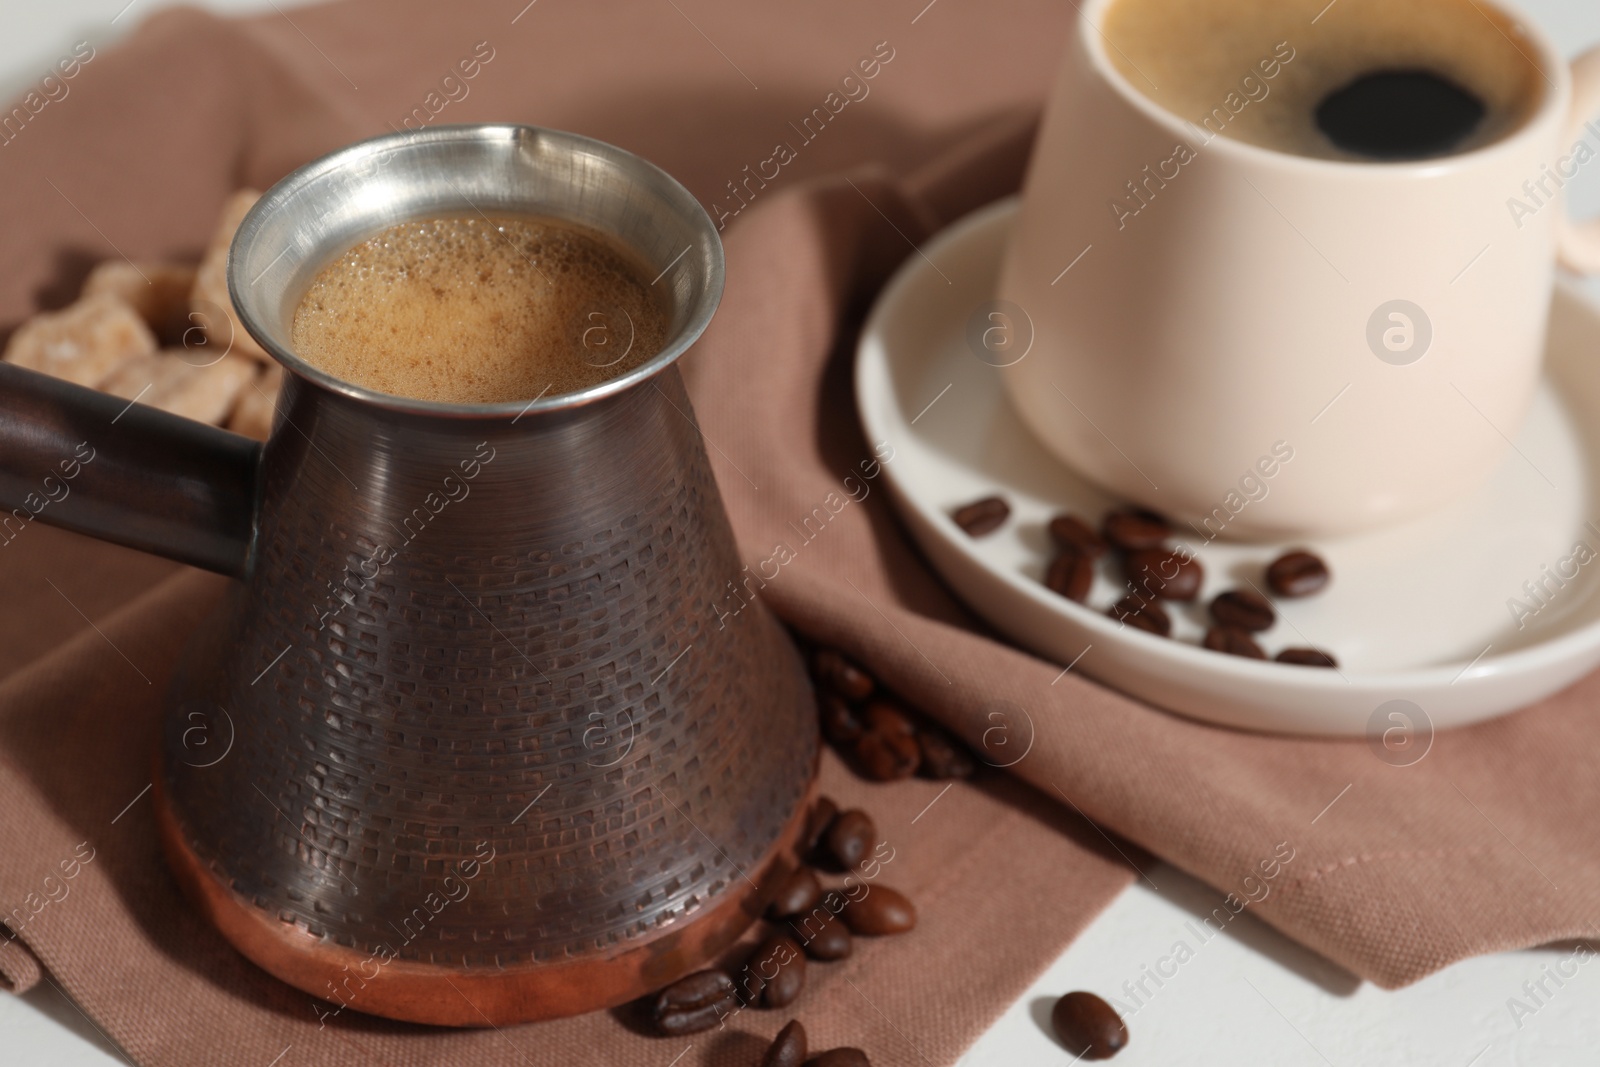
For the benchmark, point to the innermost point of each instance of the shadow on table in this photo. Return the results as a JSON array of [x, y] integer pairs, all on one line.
[[48, 1000], [1201, 901]]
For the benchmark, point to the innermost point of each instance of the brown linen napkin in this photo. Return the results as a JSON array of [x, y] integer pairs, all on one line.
[[1395, 871]]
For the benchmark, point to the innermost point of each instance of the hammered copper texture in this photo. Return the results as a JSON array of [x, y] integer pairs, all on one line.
[[539, 670]]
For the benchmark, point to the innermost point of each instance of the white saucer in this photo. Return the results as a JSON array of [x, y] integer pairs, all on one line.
[[1417, 614]]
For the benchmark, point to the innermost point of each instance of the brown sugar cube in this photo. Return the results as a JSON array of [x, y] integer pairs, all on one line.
[[131, 378], [159, 292], [84, 342], [252, 415], [211, 280], [174, 381]]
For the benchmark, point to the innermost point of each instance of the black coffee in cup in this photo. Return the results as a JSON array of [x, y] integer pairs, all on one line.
[[1353, 79], [1400, 114]]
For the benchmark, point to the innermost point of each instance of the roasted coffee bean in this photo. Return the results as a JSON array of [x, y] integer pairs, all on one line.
[[788, 1049], [1297, 573], [840, 724], [695, 1003], [840, 1057], [778, 969], [822, 934], [1088, 1026], [882, 911], [1143, 614], [1233, 641], [1161, 572], [800, 892], [1245, 609], [835, 672], [851, 837], [1071, 574], [750, 984], [1132, 529], [1069, 531], [982, 516], [886, 716], [1306, 657], [943, 757], [885, 756], [820, 818]]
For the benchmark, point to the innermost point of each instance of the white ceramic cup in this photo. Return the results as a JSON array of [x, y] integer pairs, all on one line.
[[1281, 345]]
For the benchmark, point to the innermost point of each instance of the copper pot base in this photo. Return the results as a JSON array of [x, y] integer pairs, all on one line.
[[422, 993]]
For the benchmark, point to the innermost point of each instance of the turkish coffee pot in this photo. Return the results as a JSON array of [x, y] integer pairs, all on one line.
[[465, 741]]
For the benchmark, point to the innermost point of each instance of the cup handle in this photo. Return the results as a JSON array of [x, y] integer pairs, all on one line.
[[1579, 240], [98, 465]]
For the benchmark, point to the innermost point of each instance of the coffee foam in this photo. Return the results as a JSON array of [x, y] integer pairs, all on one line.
[[475, 310], [1192, 57]]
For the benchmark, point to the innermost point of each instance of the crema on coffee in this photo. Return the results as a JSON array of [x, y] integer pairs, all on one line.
[[481, 310], [1352, 79]]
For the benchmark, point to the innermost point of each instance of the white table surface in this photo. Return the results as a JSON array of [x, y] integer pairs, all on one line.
[[1248, 995]]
